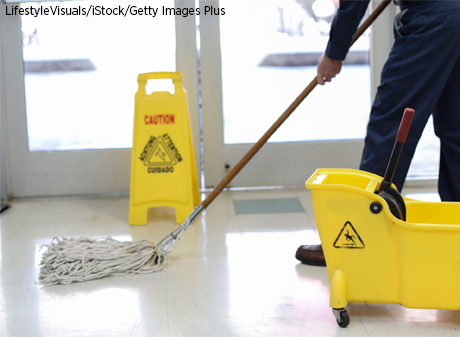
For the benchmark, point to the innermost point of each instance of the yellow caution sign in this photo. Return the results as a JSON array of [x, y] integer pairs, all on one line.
[[163, 170]]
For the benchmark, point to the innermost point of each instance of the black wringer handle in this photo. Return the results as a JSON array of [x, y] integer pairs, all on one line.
[[391, 195]]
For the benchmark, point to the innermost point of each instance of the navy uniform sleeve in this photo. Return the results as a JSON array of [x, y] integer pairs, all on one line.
[[344, 26]]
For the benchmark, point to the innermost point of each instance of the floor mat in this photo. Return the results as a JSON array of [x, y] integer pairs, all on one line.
[[267, 206]]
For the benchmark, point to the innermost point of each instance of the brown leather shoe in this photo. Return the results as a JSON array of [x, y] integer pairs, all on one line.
[[312, 255]]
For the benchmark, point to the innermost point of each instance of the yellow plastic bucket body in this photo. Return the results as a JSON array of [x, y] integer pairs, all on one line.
[[377, 258], [163, 172]]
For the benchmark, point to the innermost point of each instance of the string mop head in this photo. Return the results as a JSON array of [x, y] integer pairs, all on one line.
[[77, 260]]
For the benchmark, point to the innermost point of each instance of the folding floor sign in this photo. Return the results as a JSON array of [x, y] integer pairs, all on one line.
[[163, 170]]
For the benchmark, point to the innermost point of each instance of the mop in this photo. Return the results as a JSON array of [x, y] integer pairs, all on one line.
[[77, 260]]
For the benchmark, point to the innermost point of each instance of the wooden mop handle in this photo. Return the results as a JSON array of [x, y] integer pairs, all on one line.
[[257, 146], [370, 19]]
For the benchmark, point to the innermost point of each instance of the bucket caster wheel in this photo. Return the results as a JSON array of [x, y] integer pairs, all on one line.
[[342, 317]]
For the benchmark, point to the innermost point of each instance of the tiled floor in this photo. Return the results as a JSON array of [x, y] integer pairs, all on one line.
[[229, 275]]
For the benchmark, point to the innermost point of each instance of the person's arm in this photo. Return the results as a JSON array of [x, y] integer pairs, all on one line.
[[343, 27]]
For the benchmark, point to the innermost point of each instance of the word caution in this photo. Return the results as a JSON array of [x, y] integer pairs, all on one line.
[[159, 119]]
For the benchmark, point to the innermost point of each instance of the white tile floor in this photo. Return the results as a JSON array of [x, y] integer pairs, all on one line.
[[230, 275]]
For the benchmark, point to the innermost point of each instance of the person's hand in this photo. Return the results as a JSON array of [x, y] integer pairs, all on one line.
[[327, 69]]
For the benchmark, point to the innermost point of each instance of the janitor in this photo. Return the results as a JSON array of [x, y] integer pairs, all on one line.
[[422, 72]]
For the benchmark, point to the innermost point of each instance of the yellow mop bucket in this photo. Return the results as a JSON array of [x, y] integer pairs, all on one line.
[[381, 247], [373, 257]]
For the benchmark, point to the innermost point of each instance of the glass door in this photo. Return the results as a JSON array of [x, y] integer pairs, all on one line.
[[256, 59], [70, 85]]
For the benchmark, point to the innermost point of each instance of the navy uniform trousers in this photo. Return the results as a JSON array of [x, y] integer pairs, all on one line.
[[423, 73]]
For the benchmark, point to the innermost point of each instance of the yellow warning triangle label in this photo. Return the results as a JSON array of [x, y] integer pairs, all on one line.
[[159, 154], [348, 238]]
